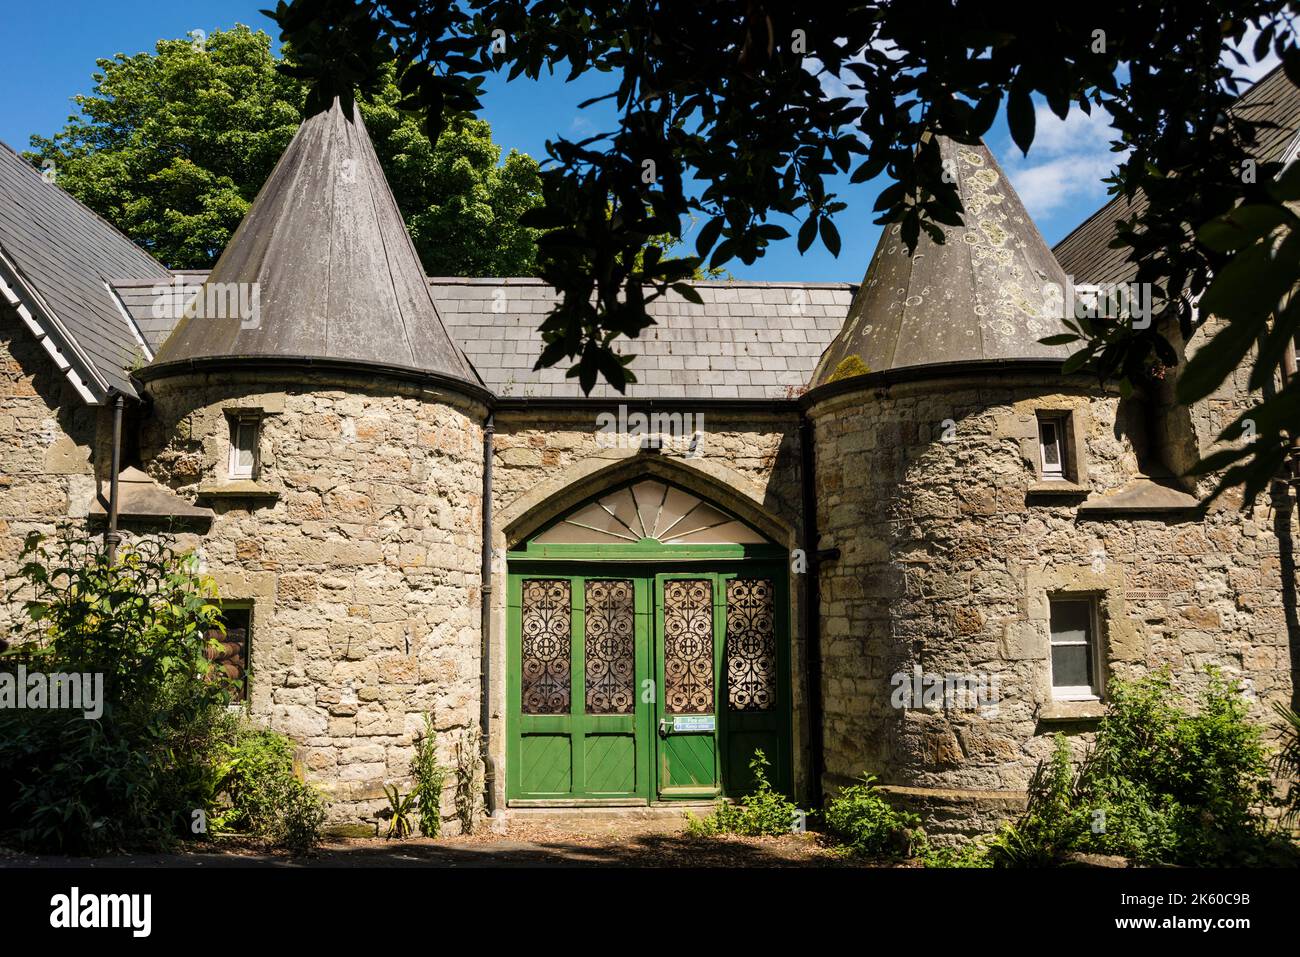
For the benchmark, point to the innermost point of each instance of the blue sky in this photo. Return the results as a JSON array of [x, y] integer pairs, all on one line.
[[1060, 180]]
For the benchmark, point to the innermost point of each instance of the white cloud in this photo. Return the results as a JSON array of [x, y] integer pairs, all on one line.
[[1048, 186], [1252, 70], [1066, 163]]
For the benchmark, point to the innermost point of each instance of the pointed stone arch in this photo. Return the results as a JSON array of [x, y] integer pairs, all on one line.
[[722, 486]]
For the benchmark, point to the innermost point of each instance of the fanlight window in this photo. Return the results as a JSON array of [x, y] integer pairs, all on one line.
[[653, 510]]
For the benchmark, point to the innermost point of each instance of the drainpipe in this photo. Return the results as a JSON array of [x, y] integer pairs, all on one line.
[[812, 609], [1288, 374], [485, 624], [111, 537]]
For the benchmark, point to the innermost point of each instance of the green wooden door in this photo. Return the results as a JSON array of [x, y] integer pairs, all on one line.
[[579, 654], [687, 653], [722, 669], [754, 697], [629, 684], [648, 653]]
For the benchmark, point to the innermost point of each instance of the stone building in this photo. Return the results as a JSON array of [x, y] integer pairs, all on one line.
[[859, 527]]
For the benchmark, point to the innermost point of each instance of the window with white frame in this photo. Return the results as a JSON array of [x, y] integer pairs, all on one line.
[[1075, 658], [1052, 445], [244, 432]]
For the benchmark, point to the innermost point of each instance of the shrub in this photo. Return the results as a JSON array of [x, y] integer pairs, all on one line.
[[134, 775], [1288, 763], [761, 813], [1053, 821], [1161, 785], [264, 797], [164, 746], [469, 778], [868, 824]]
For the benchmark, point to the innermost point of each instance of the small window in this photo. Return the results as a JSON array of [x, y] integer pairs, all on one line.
[[244, 432], [1052, 448], [1074, 649], [230, 654]]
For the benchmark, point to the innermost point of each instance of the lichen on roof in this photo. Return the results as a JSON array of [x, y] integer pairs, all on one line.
[[990, 291]]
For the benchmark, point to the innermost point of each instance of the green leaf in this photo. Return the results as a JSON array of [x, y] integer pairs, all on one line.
[[807, 233], [1241, 227], [1253, 282], [830, 236], [1020, 116]]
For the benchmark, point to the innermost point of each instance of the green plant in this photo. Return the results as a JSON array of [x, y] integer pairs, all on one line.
[[1161, 785], [972, 854], [134, 775], [1288, 762], [868, 824], [400, 809], [763, 812], [264, 796], [1053, 821], [469, 778], [430, 777], [165, 754]]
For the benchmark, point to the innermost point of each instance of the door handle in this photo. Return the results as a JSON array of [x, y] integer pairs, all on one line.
[[664, 727]]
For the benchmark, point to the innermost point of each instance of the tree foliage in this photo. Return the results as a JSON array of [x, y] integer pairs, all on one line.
[[741, 112], [172, 147]]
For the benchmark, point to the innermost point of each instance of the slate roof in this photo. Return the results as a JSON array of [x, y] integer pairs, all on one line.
[[326, 253], [748, 340], [156, 307], [984, 294], [66, 254], [1085, 253]]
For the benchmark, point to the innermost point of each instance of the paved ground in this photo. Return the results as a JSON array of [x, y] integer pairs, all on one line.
[[524, 844]]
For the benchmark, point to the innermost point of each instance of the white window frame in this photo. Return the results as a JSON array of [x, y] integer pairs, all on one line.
[[239, 422], [1092, 642], [1060, 423]]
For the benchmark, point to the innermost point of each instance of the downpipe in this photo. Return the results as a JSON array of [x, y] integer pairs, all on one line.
[[485, 625]]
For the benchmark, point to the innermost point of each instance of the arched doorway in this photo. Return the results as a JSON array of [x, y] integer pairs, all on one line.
[[648, 652]]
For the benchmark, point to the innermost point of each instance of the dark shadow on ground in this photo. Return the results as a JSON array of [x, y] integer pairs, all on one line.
[[647, 850]]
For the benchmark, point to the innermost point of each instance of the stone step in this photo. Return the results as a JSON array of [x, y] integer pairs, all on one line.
[[579, 816]]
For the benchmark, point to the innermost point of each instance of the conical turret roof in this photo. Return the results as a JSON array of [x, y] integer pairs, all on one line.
[[989, 292], [322, 267]]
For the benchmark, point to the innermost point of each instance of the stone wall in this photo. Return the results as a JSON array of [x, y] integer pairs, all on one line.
[[47, 450], [358, 547], [948, 556]]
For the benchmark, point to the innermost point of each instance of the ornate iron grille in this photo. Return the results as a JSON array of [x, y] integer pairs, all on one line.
[[546, 646], [688, 646], [610, 646], [751, 645]]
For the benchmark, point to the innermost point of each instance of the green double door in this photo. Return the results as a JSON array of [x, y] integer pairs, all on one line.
[[630, 684]]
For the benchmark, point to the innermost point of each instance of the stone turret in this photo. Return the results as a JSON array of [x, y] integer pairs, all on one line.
[[926, 409], [313, 400]]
